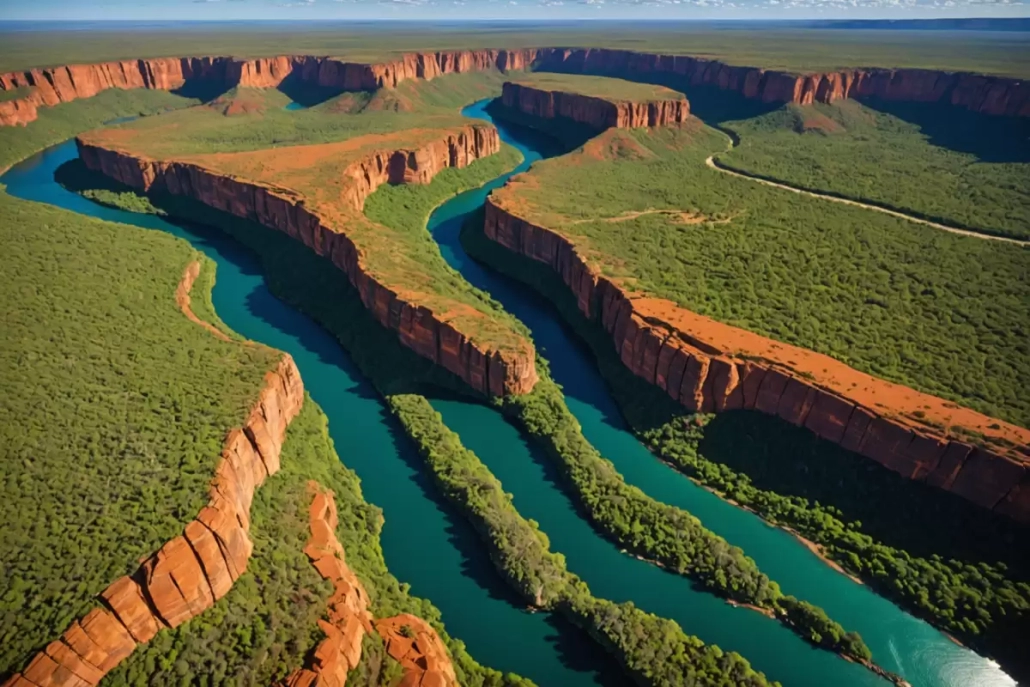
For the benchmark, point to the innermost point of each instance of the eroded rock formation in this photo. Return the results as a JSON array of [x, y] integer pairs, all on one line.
[[417, 647], [986, 94], [348, 618], [597, 113], [429, 334], [189, 573], [710, 367]]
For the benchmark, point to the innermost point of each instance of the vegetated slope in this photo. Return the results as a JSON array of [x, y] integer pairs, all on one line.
[[110, 438], [942, 164], [595, 86], [940, 313]]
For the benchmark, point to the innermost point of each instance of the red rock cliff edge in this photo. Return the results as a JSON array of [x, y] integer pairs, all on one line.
[[189, 573], [710, 367], [977, 92], [597, 113], [491, 372]]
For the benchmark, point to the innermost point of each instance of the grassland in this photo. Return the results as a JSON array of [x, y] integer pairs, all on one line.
[[109, 441], [946, 165], [597, 87], [941, 313], [773, 48]]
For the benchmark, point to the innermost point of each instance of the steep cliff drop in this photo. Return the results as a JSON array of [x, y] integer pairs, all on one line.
[[987, 94], [348, 618], [189, 573], [708, 366], [435, 335], [596, 112]]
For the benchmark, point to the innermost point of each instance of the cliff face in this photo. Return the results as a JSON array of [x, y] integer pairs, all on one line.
[[986, 94], [419, 650], [597, 113], [701, 375], [189, 573], [491, 372]]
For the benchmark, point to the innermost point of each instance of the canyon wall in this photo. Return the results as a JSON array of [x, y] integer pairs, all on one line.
[[802, 387], [987, 94], [597, 113], [189, 573], [491, 372]]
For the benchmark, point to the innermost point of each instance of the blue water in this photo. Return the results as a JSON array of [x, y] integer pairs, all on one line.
[[294, 106], [426, 545], [429, 547]]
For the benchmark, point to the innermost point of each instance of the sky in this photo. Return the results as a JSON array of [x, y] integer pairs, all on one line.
[[316, 10]]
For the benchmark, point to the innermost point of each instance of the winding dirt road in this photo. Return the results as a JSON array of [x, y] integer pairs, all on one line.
[[715, 164]]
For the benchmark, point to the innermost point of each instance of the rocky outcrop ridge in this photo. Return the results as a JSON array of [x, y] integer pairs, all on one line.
[[419, 649], [711, 367], [986, 94], [348, 618], [597, 113], [189, 573], [429, 334]]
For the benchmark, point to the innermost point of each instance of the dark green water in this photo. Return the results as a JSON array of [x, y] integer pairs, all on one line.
[[431, 548]]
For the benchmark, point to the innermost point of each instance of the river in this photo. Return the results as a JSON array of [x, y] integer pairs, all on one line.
[[429, 546]]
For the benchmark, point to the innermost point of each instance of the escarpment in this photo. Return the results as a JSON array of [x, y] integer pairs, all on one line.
[[597, 113], [708, 366], [979, 93], [190, 572], [433, 334]]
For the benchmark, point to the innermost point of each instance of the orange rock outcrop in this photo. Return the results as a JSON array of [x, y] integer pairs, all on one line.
[[428, 333], [189, 573], [977, 92], [348, 617], [416, 646], [597, 113], [710, 367]]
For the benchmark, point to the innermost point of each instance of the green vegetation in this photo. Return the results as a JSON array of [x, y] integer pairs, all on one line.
[[61, 122], [942, 313], [108, 443], [15, 94], [773, 48], [935, 555], [943, 164], [264, 627], [597, 87], [644, 643]]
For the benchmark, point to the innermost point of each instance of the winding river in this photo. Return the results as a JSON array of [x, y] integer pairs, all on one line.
[[432, 548]]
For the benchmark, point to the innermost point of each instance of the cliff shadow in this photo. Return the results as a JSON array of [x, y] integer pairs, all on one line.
[[551, 137], [304, 92], [203, 89], [991, 138], [903, 513]]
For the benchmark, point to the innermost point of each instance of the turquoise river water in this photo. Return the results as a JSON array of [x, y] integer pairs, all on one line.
[[430, 547]]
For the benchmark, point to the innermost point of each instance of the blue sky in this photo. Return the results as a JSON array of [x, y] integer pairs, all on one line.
[[506, 9]]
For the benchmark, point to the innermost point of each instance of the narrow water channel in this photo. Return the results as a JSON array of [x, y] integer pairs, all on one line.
[[431, 548], [900, 642], [427, 545]]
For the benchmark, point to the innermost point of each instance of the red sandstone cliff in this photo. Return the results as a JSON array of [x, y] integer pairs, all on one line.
[[711, 367], [986, 94], [428, 333], [189, 573], [597, 113]]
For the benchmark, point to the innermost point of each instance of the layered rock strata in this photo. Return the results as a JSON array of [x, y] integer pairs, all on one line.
[[189, 573], [428, 333], [348, 618], [987, 94], [711, 367], [416, 646], [597, 113]]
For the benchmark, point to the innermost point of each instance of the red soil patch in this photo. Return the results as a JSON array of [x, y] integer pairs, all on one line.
[[416, 646], [182, 299]]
